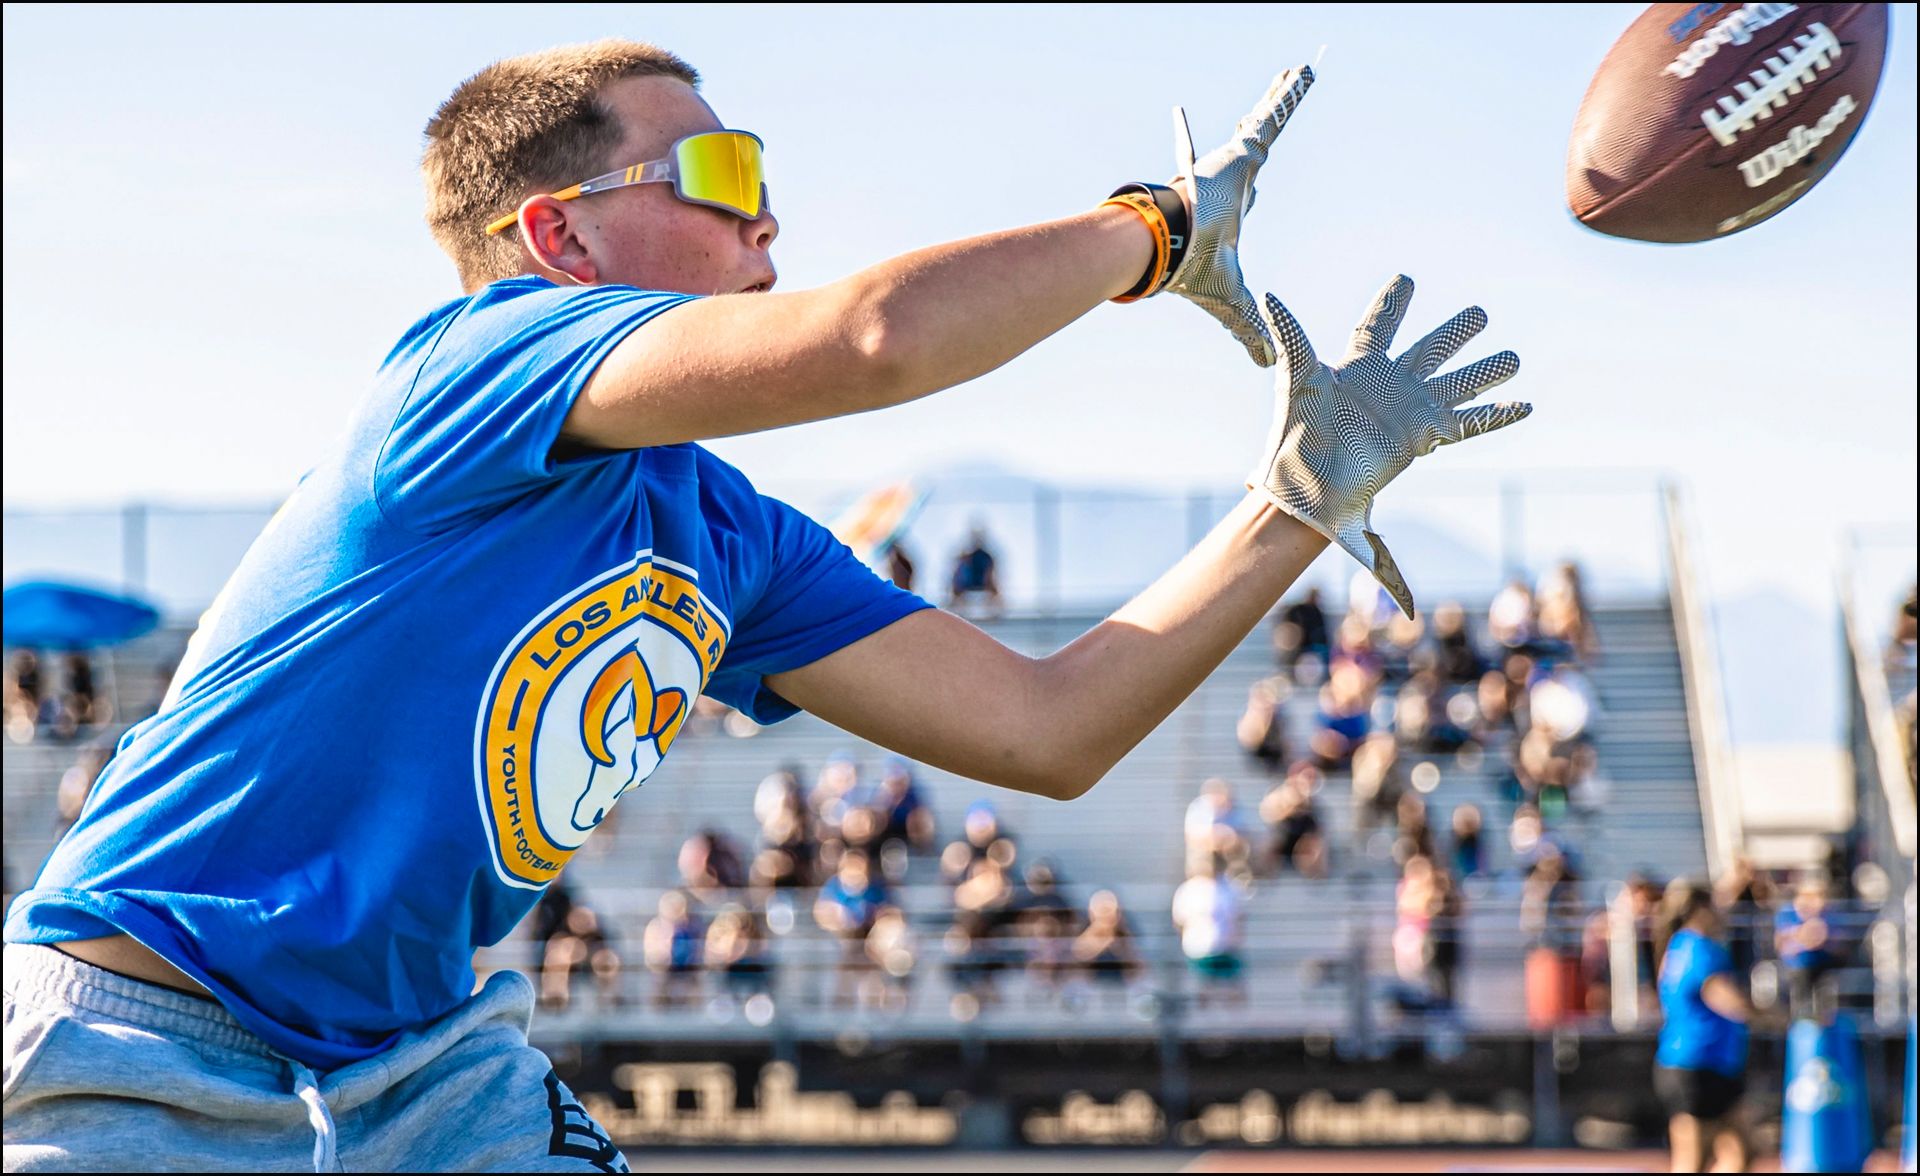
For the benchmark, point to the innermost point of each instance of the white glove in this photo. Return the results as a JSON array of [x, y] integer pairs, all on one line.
[[1341, 433], [1219, 191]]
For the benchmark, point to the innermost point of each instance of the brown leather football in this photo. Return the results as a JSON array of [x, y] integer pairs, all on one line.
[[1706, 119]]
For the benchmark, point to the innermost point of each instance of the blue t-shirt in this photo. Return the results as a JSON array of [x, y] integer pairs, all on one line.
[[1694, 1037], [1818, 957], [430, 678]]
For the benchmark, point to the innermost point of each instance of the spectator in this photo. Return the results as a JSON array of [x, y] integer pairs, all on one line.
[[736, 952], [1448, 937], [1378, 784], [847, 908], [1469, 851], [1700, 1065], [890, 951], [975, 579], [1262, 729], [1805, 942], [1104, 950], [1413, 904], [1354, 645], [833, 793], [1399, 641], [1564, 626], [1458, 661], [24, 695], [1210, 914], [1562, 703], [983, 903], [1346, 703], [1297, 839], [1494, 707], [80, 705], [899, 566], [906, 817], [1415, 836], [1424, 719], [1906, 634], [1300, 637], [1510, 617], [578, 944], [710, 866], [1554, 921], [980, 830], [671, 946], [777, 791], [1426, 938], [76, 784], [1214, 826], [789, 851]]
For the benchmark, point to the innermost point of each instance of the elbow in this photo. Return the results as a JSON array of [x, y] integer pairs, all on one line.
[[877, 347]]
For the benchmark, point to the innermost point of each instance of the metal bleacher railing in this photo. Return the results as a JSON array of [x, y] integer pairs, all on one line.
[[1879, 676]]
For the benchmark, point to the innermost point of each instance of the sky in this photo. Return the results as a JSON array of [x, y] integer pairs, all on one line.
[[212, 230]]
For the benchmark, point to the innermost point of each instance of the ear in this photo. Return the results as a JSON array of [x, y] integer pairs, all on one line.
[[555, 237]]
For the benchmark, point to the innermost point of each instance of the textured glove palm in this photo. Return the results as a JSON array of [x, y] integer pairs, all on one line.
[[1341, 433], [1219, 189]]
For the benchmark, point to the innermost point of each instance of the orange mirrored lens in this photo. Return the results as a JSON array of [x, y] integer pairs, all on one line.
[[721, 168]]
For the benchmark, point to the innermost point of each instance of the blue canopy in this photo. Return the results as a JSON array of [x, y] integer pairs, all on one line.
[[67, 616]]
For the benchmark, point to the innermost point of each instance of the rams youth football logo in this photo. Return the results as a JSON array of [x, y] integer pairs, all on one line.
[[584, 705]]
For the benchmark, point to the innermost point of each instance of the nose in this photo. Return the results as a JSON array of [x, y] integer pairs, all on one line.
[[762, 229]]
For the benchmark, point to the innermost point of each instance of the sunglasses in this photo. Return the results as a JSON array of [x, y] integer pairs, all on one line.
[[720, 169]]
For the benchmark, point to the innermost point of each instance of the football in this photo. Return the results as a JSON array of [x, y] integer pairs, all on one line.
[[1706, 119]]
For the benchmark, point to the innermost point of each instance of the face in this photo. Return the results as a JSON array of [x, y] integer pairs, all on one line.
[[644, 235]]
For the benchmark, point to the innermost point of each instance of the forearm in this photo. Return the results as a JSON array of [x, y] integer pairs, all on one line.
[[1105, 692], [941, 316]]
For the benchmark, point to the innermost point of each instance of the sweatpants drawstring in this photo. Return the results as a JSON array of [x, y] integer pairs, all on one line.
[[306, 1084]]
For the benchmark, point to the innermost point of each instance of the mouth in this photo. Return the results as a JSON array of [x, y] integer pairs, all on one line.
[[760, 287]]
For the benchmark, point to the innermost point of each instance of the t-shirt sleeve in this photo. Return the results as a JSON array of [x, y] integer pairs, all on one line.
[[478, 425], [815, 598]]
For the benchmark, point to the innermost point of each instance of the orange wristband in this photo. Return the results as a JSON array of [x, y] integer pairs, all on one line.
[[1156, 222]]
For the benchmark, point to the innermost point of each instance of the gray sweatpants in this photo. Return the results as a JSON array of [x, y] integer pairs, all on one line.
[[107, 1074]]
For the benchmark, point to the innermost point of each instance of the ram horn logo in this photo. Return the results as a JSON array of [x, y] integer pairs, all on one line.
[[623, 721]]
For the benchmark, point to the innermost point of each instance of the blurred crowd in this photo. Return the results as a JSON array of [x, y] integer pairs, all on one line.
[[53, 697], [843, 853]]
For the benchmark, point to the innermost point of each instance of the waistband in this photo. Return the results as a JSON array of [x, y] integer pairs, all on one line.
[[38, 974]]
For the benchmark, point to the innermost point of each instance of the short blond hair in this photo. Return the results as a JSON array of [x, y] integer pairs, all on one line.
[[520, 125]]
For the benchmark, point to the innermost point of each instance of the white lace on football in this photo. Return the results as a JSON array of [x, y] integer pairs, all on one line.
[[1341, 433], [1219, 188]]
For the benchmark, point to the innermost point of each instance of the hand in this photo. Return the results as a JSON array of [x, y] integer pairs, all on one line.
[[1219, 191], [1341, 433]]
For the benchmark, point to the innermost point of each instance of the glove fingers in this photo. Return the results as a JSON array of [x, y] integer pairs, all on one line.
[[1485, 418], [1263, 124], [1445, 341], [1376, 330], [1294, 344], [1456, 388], [1357, 540], [1242, 318], [1182, 145]]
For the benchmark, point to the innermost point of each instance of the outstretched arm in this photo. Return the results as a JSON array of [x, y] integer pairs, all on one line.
[[927, 320], [937, 689], [934, 687]]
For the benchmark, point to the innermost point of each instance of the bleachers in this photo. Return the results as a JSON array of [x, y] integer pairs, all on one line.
[[1126, 834]]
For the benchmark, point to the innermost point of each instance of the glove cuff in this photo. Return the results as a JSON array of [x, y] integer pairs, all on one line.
[[1172, 226]]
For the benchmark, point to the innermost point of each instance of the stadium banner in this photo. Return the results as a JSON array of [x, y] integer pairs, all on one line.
[[1304, 1091]]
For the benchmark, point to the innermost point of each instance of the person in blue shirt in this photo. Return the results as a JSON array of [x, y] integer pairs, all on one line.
[[483, 618], [1701, 1064], [1804, 940]]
